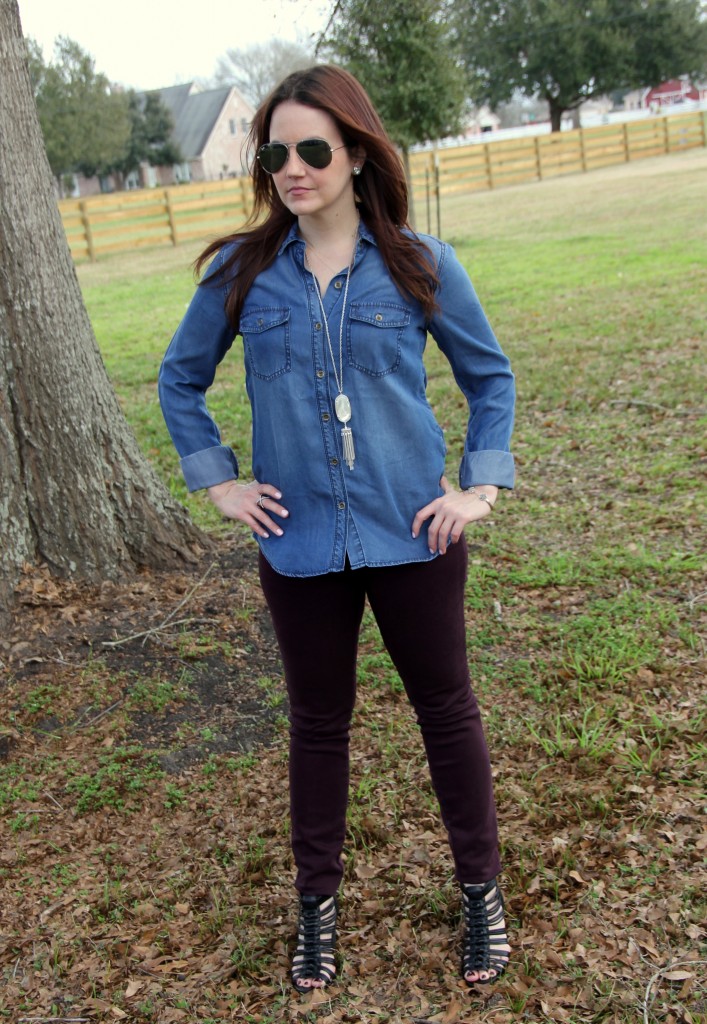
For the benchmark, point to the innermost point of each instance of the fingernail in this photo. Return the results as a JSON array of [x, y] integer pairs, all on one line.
[[414, 535], [278, 495], [279, 533]]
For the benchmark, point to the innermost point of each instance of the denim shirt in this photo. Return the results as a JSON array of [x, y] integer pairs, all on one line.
[[365, 512]]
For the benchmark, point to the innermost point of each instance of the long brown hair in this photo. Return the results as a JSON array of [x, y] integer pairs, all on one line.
[[380, 191]]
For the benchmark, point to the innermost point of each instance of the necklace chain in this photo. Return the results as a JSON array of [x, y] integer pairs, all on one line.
[[338, 377], [342, 405], [311, 250]]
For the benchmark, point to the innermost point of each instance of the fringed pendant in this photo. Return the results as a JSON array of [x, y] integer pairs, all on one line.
[[348, 445], [342, 407]]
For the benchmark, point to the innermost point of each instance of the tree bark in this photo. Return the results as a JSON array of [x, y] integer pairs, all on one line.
[[75, 490], [556, 113]]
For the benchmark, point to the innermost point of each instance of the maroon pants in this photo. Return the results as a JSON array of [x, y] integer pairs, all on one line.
[[419, 609]]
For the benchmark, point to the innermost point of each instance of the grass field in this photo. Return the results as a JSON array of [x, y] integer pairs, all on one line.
[[586, 610]]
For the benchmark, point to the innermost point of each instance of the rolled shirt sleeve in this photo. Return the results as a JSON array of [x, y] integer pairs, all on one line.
[[187, 372], [483, 373]]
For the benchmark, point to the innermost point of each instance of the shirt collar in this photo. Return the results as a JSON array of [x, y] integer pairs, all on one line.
[[294, 236]]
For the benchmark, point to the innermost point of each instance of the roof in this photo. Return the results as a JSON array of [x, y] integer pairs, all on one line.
[[194, 114]]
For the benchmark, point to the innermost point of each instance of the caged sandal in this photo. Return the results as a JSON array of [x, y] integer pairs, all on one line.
[[313, 963], [486, 950]]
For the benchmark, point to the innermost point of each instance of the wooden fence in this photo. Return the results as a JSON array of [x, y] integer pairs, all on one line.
[[466, 169], [162, 216], [167, 216]]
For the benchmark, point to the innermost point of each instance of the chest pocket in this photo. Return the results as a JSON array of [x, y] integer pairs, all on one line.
[[374, 337], [266, 340]]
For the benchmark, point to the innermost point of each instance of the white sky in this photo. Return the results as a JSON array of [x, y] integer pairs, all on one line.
[[148, 44]]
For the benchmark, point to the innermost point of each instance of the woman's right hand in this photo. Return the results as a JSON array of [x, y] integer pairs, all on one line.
[[240, 501]]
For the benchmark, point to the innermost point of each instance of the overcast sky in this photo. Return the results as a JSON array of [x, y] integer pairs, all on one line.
[[147, 44]]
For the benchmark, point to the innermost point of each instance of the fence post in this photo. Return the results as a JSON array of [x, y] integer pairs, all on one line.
[[703, 122], [170, 216], [666, 134], [87, 230], [437, 195], [627, 148], [427, 200], [489, 169], [246, 195], [538, 158]]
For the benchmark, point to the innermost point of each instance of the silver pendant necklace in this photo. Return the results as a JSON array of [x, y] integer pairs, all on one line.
[[342, 405]]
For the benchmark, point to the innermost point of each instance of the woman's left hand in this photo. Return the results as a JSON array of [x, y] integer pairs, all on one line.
[[451, 513]]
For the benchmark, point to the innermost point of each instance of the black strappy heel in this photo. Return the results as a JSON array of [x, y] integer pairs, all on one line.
[[486, 948], [316, 939]]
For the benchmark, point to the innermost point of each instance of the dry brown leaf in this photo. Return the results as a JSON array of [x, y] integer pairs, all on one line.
[[452, 1012], [133, 988]]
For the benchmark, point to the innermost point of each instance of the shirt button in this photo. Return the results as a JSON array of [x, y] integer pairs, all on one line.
[[378, 317], [337, 284], [317, 327], [342, 504], [320, 374], [335, 462], [326, 417]]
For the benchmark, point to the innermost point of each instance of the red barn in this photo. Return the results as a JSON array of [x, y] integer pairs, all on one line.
[[670, 93]]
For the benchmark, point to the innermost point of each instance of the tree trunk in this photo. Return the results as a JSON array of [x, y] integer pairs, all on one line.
[[75, 490], [556, 112]]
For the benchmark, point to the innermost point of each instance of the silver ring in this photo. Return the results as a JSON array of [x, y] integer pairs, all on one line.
[[259, 502]]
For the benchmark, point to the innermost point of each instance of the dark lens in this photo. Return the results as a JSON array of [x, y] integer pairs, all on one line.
[[315, 152], [272, 156]]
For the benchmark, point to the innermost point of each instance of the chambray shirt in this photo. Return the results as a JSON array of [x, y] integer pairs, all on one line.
[[367, 512]]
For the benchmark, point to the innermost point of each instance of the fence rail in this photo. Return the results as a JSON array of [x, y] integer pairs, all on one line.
[[125, 220]]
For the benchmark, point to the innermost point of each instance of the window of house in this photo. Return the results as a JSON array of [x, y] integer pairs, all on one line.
[[232, 126]]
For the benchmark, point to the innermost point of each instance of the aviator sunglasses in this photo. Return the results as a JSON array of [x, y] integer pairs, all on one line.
[[272, 156]]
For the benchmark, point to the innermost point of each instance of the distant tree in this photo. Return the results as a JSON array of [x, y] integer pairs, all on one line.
[[76, 493], [150, 140], [402, 54], [256, 70], [54, 112], [85, 122], [565, 51]]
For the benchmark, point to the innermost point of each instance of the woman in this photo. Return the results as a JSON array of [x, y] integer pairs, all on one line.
[[334, 296]]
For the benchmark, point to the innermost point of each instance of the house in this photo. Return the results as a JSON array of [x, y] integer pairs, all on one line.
[[210, 131], [481, 121], [669, 94], [674, 93]]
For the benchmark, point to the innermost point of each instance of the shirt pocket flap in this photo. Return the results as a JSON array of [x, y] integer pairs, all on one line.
[[379, 315], [258, 320]]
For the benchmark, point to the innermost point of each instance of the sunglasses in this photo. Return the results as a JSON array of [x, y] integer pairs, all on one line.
[[272, 156]]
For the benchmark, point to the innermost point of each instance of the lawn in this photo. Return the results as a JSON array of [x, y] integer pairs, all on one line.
[[145, 874]]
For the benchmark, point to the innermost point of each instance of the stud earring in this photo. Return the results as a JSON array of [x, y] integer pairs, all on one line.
[[356, 170]]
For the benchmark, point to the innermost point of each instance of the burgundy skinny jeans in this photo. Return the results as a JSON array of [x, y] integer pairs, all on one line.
[[419, 608]]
